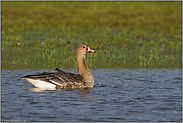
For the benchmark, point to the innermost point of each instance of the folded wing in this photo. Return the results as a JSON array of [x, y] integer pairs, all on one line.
[[60, 78]]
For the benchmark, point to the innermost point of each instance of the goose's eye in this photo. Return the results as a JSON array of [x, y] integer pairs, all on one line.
[[83, 46]]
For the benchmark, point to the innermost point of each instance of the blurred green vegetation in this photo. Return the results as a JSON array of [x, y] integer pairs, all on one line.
[[134, 34]]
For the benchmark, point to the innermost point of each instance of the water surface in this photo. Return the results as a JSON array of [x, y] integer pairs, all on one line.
[[118, 95]]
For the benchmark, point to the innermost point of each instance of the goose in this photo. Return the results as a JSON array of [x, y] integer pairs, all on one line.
[[65, 80]]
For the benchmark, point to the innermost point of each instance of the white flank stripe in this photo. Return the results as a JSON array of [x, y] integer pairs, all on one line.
[[55, 82], [41, 84]]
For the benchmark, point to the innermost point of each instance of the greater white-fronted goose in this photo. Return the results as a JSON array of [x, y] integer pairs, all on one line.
[[65, 80]]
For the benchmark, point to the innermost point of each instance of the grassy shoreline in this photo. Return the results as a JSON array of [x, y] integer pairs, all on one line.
[[124, 34]]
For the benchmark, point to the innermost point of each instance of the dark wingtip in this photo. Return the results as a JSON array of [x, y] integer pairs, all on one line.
[[57, 69]]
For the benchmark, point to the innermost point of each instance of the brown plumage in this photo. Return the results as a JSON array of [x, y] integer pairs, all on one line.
[[65, 80]]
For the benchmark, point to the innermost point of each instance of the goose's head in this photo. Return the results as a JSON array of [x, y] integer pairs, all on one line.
[[84, 49]]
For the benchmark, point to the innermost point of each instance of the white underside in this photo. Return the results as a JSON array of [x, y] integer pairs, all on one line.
[[41, 84]]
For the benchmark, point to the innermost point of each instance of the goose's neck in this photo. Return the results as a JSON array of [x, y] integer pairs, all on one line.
[[84, 71], [82, 66]]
